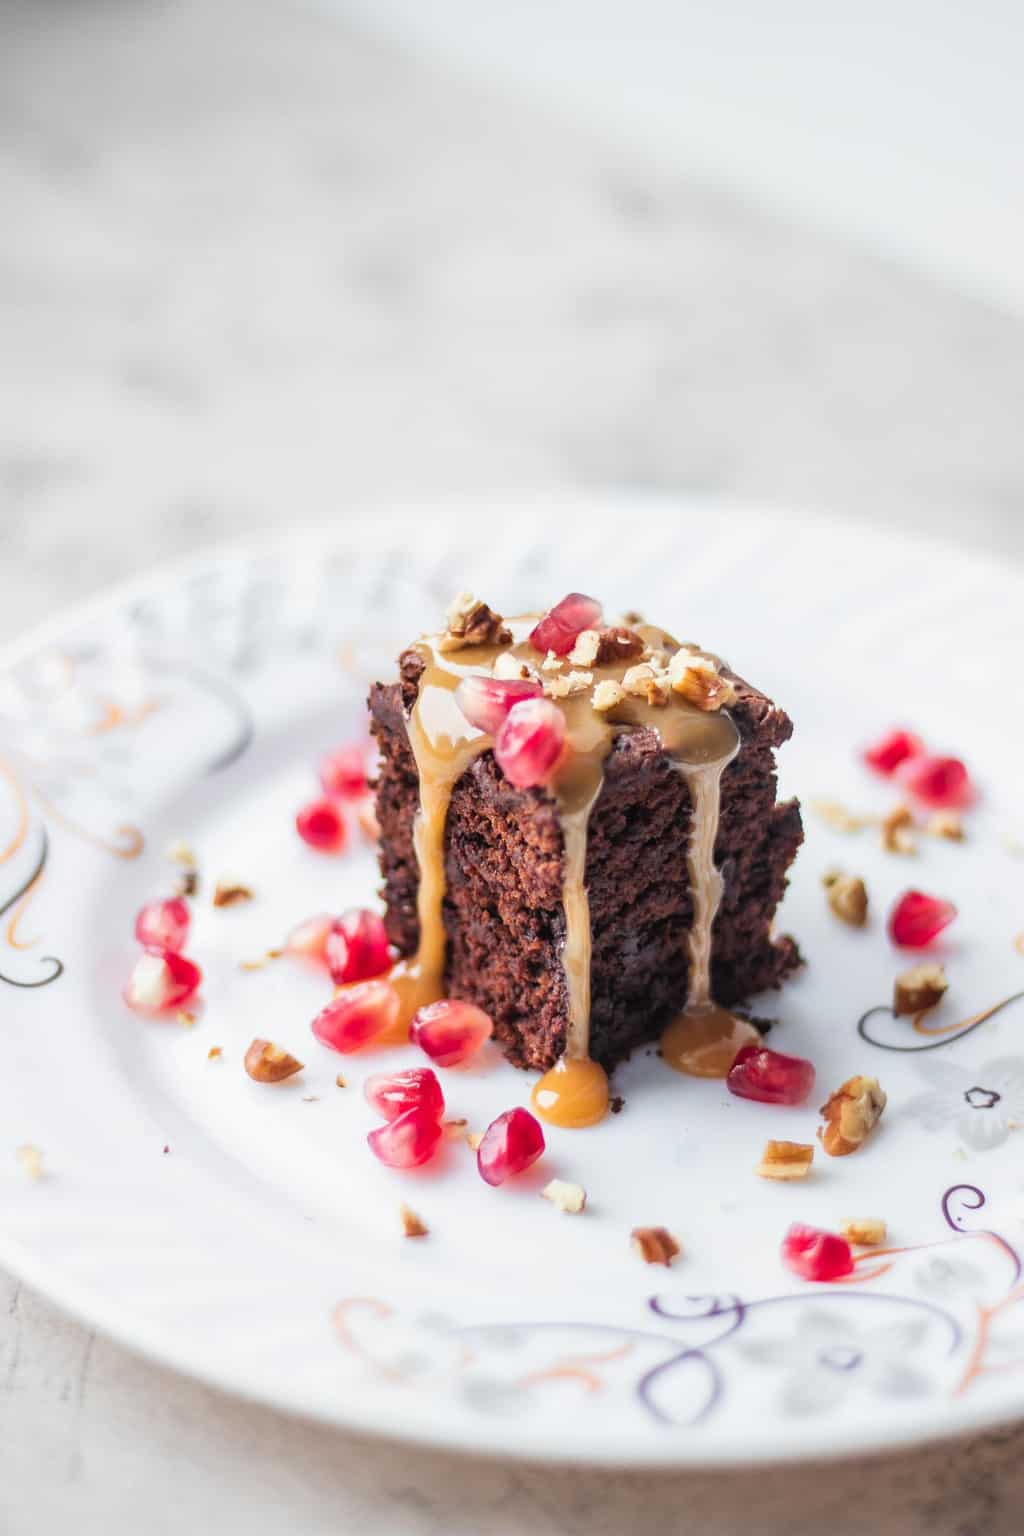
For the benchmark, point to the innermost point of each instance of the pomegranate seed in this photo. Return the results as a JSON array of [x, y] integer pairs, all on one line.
[[408, 1141], [510, 1144], [392, 1093], [485, 701], [450, 1032], [356, 1016], [163, 924], [161, 981], [309, 940], [357, 946], [940, 782], [770, 1077], [530, 742], [895, 747], [558, 629], [343, 773], [322, 826], [916, 919], [816, 1255]]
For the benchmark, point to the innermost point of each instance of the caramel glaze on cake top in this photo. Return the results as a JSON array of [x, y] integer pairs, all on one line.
[[699, 742]]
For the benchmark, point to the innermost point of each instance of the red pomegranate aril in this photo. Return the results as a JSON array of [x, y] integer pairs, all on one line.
[[393, 1093], [816, 1255], [558, 629], [917, 919], [160, 981], [892, 749], [163, 925], [450, 1032], [770, 1077], [942, 783], [357, 1016], [322, 826], [309, 940], [343, 773], [510, 1145], [486, 701], [357, 946], [530, 742], [407, 1141]]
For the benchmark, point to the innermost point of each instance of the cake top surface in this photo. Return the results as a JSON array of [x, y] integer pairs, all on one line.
[[552, 691]]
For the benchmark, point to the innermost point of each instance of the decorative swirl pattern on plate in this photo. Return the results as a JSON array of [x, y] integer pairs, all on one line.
[[947, 1033]]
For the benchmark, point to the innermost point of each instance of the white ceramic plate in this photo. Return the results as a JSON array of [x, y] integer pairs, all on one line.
[[245, 1234]]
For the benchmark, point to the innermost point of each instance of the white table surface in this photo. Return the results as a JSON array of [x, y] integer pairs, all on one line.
[[257, 269]]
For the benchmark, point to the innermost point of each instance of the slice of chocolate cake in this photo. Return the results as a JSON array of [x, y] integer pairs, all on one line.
[[580, 834]]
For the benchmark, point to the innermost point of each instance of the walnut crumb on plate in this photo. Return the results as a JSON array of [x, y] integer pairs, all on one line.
[[655, 1245]]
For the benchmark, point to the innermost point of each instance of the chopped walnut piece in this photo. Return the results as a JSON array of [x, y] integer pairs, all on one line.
[[699, 681], [339, 1082], [569, 686], [864, 1232], [570, 1198], [847, 896], [643, 682], [230, 894], [850, 1115], [919, 988], [655, 1245], [412, 1225], [471, 622], [786, 1160], [266, 1062], [898, 831], [636, 679], [585, 649], [30, 1160], [631, 618], [947, 824], [618, 643], [552, 663], [838, 817], [607, 695], [511, 668]]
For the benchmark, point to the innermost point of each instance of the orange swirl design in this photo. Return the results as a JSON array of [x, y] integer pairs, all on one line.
[[18, 912], [132, 839], [948, 1029], [21, 829]]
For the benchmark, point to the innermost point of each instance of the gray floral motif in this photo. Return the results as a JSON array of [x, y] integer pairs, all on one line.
[[827, 1357], [983, 1104], [938, 1275]]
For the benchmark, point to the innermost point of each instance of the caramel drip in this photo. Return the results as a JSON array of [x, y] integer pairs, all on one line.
[[444, 744], [705, 786]]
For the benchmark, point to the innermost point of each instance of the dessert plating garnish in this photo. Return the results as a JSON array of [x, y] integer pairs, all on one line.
[[816, 1255], [917, 919]]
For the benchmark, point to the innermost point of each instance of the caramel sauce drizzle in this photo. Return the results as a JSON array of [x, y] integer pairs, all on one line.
[[703, 1039]]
